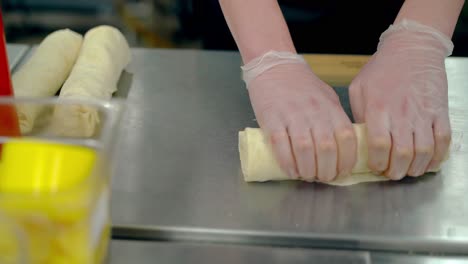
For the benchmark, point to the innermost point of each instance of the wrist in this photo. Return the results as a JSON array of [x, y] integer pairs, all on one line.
[[268, 60], [409, 34], [257, 27], [253, 52]]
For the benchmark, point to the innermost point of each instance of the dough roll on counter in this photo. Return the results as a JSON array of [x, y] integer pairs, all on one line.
[[259, 164], [103, 56], [44, 72]]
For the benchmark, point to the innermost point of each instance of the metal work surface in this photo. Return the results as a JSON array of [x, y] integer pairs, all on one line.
[[179, 167], [15, 53], [180, 253]]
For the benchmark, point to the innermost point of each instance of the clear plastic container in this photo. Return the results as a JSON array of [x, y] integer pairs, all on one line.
[[54, 176]]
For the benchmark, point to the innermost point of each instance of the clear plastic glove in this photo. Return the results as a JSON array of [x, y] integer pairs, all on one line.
[[311, 135], [402, 96]]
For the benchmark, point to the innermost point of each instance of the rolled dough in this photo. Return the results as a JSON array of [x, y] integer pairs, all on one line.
[[44, 72], [103, 56], [259, 164]]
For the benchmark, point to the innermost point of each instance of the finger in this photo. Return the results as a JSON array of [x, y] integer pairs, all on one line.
[[379, 142], [355, 99], [326, 154], [281, 146], [423, 150], [442, 137], [304, 152], [346, 142], [401, 153]]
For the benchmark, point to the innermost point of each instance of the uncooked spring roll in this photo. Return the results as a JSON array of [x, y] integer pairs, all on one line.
[[259, 164], [103, 56], [44, 72]]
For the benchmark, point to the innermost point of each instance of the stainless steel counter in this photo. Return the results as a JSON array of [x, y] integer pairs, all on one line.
[[124, 252], [15, 53], [178, 253], [178, 174]]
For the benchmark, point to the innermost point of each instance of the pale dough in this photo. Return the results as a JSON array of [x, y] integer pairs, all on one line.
[[259, 164], [103, 56], [44, 72]]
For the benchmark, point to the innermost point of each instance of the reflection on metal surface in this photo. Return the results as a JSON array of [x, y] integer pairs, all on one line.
[[383, 258], [124, 85], [401, 245], [179, 166], [15, 54], [178, 253]]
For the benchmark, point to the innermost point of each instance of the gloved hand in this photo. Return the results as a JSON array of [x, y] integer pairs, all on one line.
[[311, 136], [401, 93]]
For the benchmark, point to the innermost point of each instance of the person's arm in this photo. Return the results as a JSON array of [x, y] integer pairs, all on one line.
[[441, 15], [257, 27], [309, 131]]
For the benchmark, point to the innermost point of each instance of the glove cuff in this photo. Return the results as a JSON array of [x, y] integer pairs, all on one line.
[[267, 61], [416, 27]]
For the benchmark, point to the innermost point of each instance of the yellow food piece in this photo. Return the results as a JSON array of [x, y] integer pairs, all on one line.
[[52, 191], [10, 243]]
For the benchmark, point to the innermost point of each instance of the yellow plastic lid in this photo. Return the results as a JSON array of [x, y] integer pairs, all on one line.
[[36, 166]]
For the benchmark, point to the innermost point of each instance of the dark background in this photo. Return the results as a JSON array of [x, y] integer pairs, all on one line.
[[317, 26]]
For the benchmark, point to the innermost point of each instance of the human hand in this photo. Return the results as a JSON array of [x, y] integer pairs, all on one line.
[[311, 136], [401, 94]]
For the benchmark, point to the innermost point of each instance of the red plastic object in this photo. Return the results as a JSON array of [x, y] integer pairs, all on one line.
[[8, 118], [6, 89]]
